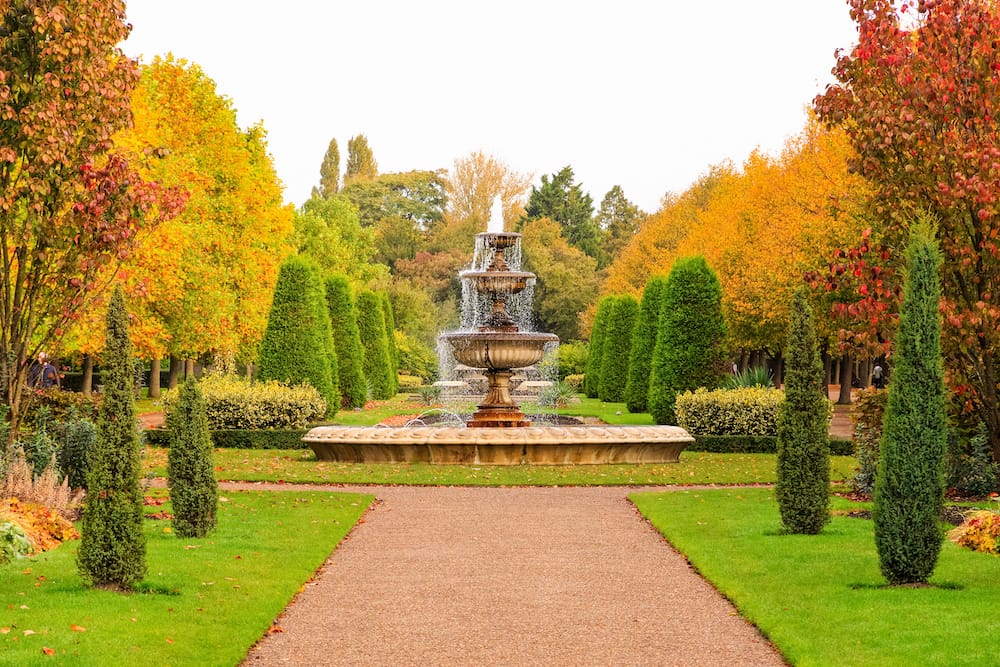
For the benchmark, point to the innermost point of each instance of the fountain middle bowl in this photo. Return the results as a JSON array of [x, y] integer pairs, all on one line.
[[498, 350]]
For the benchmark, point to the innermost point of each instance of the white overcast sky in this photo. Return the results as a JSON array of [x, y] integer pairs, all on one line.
[[645, 94]]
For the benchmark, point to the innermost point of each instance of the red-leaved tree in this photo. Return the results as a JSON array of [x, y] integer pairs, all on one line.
[[68, 207], [919, 95]]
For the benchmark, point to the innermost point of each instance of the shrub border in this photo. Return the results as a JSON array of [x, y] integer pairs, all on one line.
[[756, 444], [239, 438]]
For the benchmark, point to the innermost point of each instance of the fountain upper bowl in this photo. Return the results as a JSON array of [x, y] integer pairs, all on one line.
[[498, 350]]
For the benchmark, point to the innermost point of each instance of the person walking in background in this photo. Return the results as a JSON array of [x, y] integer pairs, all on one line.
[[878, 377], [42, 374]]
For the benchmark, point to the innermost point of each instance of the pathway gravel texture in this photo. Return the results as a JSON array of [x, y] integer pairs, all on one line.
[[509, 576]]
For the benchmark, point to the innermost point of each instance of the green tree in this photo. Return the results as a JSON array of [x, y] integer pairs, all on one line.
[[567, 278], [112, 546], [617, 347], [390, 334], [909, 487], [803, 486], [619, 220], [592, 372], [69, 208], [377, 364], [361, 165], [194, 493], [416, 196], [329, 232], [329, 171], [564, 201], [643, 343], [297, 345], [690, 347], [347, 342]]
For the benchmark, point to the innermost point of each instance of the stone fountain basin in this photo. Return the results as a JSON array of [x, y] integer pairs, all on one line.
[[540, 445], [498, 350]]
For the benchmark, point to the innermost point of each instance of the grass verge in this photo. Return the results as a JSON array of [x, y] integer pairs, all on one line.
[[301, 466], [821, 598], [204, 601]]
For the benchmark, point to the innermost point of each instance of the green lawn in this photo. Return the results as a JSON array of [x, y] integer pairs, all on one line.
[[301, 466], [206, 601], [821, 599]]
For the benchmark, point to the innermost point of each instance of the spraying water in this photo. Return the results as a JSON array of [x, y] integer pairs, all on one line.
[[495, 225]]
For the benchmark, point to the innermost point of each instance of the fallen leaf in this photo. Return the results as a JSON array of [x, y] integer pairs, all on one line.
[[4, 631], [77, 628], [48, 651], [28, 632], [276, 628], [169, 640]]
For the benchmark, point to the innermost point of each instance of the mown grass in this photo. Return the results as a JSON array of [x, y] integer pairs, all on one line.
[[301, 466], [821, 599], [204, 601]]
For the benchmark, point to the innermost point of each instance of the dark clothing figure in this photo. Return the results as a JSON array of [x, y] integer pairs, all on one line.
[[878, 377], [42, 374]]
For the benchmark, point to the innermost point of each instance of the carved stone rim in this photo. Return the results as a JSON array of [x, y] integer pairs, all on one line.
[[460, 435]]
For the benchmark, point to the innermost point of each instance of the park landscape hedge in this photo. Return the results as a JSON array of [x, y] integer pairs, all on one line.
[[239, 438]]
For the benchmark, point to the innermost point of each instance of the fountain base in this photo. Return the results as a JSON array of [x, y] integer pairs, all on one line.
[[498, 409], [540, 445]]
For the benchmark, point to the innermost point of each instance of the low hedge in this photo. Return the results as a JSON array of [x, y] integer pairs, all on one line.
[[756, 444], [240, 439], [749, 411]]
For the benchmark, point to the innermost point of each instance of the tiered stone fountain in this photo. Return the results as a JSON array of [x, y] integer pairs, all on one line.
[[498, 432]]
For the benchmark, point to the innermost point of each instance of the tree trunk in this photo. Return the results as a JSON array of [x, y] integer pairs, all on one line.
[[87, 384], [175, 372], [188, 368], [778, 369], [827, 373], [744, 360], [154, 378], [864, 373], [846, 375]]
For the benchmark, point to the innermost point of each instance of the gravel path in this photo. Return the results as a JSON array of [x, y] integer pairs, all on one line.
[[509, 576]]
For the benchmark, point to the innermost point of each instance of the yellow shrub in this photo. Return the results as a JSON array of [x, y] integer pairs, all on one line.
[[980, 532], [744, 411]]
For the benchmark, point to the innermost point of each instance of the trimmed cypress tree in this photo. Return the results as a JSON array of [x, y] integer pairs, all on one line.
[[909, 487], [640, 359], [690, 349], [194, 493], [390, 336], [803, 486], [112, 550], [592, 371], [346, 341], [375, 362], [617, 345], [297, 346]]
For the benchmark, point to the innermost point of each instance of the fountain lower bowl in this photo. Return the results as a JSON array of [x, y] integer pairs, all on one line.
[[498, 350], [541, 445]]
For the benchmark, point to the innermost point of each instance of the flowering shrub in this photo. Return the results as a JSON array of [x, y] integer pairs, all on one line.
[[44, 527], [746, 411], [234, 403], [980, 532]]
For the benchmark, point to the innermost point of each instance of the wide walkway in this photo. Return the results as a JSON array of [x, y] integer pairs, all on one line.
[[516, 576]]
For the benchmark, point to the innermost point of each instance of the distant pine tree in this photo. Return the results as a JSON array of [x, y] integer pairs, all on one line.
[[617, 346], [909, 486], [390, 335], [194, 493], [347, 341], [643, 343], [803, 488], [112, 545], [690, 347]]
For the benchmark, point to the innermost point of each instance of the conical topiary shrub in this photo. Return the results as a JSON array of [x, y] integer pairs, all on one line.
[[643, 342], [592, 371], [909, 486], [377, 365], [297, 346], [194, 493], [690, 347], [390, 337], [112, 545], [346, 341], [617, 344], [803, 486]]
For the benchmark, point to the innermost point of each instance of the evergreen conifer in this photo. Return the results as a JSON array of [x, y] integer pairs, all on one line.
[[390, 336], [592, 371], [112, 545], [347, 342], [803, 485], [376, 363], [909, 486], [690, 347], [643, 342], [194, 493], [617, 346]]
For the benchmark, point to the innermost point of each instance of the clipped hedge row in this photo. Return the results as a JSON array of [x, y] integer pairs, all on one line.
[[755, 444], [745, 411], [239, 438], [234, 403]]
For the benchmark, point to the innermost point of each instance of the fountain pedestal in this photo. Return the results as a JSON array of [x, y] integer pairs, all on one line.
[[498, 409]]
